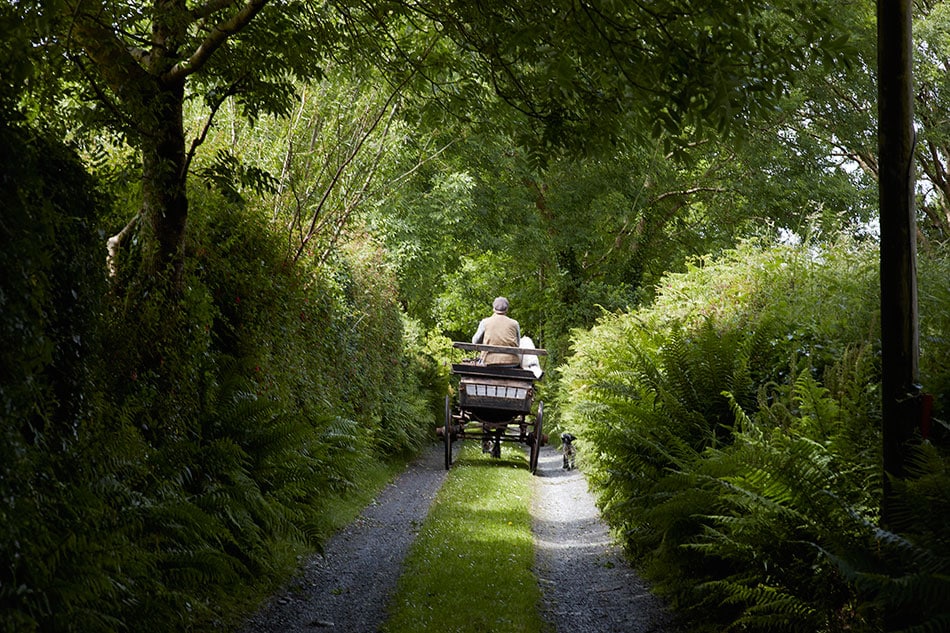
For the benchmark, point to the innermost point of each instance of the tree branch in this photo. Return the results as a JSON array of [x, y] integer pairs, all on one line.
[[218, 36], [688, 192], [119, 67], [203, 11], [114, 243], [198, 140], [346, 162], [361, 194]]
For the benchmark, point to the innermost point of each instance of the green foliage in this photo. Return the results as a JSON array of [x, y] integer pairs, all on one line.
[[413, 406], [161, 450], [52, 282], [469, 294], [578, 233], [152, 483], [15, 57], [50, 337], [229, 176], [911, 584], [784, 497], [424, 237], [732, 431], [934, 300]]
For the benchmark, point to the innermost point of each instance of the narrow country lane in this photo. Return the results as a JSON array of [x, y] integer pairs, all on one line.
[[586, 583]]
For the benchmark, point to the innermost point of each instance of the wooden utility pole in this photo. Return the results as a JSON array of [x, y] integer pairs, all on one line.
[[899, 326]]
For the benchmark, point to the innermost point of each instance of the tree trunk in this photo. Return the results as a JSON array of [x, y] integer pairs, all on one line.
[[899, 327], [153, 99], [164, 200]]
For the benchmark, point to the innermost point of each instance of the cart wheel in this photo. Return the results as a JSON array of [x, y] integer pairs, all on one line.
[[448, 433], [536, 444]]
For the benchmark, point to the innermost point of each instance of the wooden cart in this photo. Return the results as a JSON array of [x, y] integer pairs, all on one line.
[[494, 405]]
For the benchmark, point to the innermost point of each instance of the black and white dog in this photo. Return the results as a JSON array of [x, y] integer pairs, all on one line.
[[568, 450]]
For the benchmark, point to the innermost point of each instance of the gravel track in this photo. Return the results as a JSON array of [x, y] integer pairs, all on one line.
[[586, 583], [347, 588]]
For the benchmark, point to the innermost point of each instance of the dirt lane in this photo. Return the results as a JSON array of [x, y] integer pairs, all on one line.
[[587, 584]]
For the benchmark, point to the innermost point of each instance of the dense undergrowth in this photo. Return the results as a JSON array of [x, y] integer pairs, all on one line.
[[164, 455], [732, 430]]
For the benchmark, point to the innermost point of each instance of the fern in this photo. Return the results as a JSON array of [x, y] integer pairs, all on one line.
[[728, 473], [907, 575]]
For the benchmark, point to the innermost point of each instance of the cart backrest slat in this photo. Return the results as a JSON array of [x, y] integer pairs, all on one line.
[[496, 393]]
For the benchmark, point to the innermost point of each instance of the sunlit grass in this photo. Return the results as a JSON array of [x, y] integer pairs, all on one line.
[[470, 567]]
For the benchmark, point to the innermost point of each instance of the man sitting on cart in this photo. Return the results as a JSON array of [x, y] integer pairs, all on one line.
[[501, 330]]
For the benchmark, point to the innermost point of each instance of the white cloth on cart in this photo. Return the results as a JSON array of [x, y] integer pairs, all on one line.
[[530, 361]]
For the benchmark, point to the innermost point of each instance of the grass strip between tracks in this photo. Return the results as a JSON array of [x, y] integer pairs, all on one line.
[[470, 568]]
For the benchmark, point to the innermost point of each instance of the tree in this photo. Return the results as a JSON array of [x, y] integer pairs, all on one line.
[[838, 108], [683, 67], [576, 67], [932, 150], [900, 375], [140, 62]]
